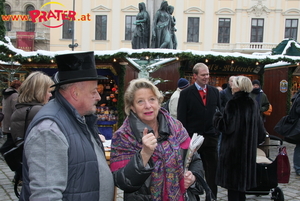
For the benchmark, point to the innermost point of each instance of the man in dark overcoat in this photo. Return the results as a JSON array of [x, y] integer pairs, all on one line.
[[197, 105]]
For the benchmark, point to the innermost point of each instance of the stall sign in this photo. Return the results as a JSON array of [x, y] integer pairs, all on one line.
[[232, 68], [283, 86]]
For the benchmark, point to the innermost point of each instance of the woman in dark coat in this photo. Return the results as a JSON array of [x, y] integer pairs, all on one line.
[[33, 94], [242, 129]]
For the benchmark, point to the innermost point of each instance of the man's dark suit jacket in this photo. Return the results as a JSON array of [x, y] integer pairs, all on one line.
[[192, 113]]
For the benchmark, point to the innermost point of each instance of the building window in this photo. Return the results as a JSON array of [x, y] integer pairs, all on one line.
[[101, 27], [7, 12], [224, 30], [30, 26], [67, 28], [257, 30], [291, 28], [129, 26], [193, 29]]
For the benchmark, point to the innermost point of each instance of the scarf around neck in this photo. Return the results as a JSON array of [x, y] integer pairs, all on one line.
[[256, 91]]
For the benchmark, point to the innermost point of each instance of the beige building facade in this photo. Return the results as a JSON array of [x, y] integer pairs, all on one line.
[[17, 21], [244, 26]]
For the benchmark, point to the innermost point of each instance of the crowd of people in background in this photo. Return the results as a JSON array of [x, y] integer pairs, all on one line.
[[64, 157]]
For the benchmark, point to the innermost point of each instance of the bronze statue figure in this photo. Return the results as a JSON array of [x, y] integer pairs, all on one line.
[[161, 33], [141, 37], [173, 28]]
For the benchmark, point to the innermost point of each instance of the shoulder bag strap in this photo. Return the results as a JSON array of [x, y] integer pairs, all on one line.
[[18, 176], [27, 113]]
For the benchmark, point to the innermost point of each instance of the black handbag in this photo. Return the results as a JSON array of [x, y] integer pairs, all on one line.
[[192, 195], [13, 157], [289, 126]]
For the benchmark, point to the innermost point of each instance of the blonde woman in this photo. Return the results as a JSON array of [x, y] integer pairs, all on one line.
[[34, 92], [242, 130]]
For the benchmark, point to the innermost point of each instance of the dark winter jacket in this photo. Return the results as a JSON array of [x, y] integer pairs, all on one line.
[[18, 118], [9, 101], [261, 98], [296, 102], [225, 96], [294, 112], [242, 130], [193, 114]]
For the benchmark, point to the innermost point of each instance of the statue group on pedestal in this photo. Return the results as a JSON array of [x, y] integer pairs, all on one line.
[[163, 31]]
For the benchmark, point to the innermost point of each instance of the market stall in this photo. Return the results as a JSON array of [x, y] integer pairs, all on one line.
[[107, 107]]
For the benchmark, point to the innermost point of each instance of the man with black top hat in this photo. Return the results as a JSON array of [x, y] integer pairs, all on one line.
[[63, 156]]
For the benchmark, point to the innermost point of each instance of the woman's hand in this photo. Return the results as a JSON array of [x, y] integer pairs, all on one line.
[[149, 144], [189, 179]]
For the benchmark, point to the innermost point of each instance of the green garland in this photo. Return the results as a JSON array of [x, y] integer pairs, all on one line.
[[188, 56]]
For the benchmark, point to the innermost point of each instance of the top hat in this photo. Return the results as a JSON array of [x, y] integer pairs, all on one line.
[[76, 67]]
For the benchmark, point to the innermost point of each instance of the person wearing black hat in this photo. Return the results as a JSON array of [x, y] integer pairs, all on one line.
[[64, 158], [181, 84], [261, 98]]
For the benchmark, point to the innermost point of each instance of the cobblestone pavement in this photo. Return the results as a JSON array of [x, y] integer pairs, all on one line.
[[291, 190]]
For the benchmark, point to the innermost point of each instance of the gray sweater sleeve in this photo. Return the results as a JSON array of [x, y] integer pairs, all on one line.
[[46, 151]]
